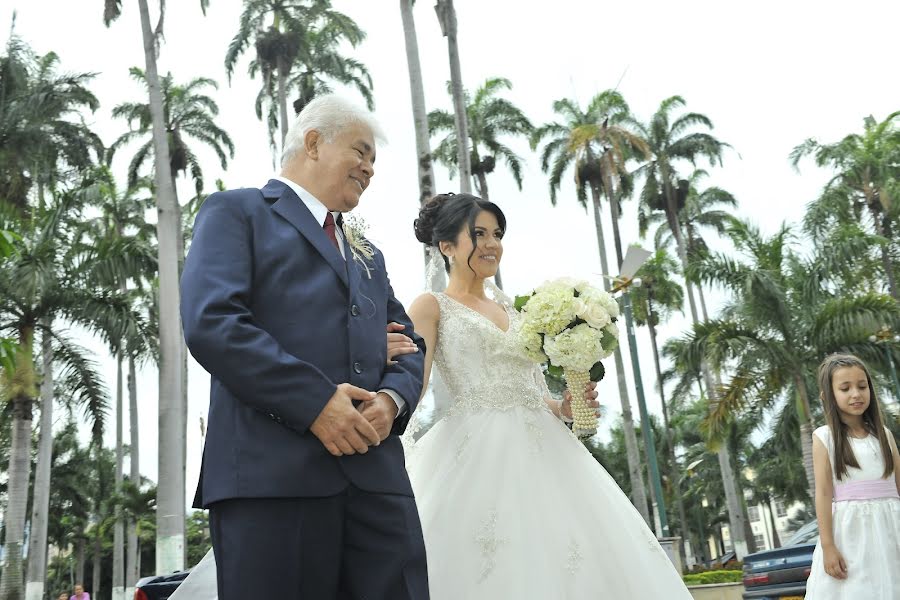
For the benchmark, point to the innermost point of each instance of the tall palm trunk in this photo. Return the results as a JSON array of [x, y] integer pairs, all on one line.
[[736, 521], [647, 428], [80, 551], [37, 545], [879, 219], [806, 429], [776, 540], [96, 558], [282, 97], [447, 18], [632, 455], [132, 572], [172, 426], [482, 185], [420, 123], [118, 565], [420, 114], [674, 473], [22, 400]]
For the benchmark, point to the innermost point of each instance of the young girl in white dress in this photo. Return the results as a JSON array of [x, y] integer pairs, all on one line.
[[857, 471], [512, 505]]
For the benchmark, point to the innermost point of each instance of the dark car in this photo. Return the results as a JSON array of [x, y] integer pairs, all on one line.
[[781, 574], [158, 587]]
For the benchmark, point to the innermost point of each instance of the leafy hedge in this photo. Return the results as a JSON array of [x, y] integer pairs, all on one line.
[[708, 577]]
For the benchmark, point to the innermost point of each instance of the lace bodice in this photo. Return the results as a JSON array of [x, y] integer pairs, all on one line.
[[481, 364]]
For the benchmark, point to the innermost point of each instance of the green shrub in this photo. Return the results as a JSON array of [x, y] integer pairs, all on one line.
[[708, 577]]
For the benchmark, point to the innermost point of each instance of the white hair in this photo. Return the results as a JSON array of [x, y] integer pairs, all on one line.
[[329, 115]]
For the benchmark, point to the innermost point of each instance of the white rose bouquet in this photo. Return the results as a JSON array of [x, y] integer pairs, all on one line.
[[570, 325]]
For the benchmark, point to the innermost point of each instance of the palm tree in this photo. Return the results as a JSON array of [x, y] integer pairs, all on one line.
[[41, 129], [488, 118], [783, 319], [672, 142], [702, 209], [320, 59], [867, 176], [654, 302], [574, 143], [71, 493], [119, 243], [172, 355], [189, 114], [45, 145], [40, 283], [285, 34], [446, 15]]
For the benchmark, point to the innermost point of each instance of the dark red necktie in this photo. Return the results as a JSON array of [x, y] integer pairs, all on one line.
[[329, 230]]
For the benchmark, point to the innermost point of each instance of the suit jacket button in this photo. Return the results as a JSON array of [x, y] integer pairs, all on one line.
[[357, 368], [354, 310]]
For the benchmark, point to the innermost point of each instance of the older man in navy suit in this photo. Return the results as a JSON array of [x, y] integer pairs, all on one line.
[[303, 470]]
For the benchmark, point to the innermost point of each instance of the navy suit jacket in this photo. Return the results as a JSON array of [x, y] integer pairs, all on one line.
[[278, 318]]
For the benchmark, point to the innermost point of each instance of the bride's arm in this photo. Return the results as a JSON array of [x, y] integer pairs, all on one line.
[[425, 314]]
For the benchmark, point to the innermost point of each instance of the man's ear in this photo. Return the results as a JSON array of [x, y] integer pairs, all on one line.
[[311, 143]]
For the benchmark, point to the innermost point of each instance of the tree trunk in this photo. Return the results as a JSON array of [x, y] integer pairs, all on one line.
[[171, 490], [11, 582], [886, 261], [447, 18], [132, 574], [417, 93], [806, 429], [776, 540], [482, 186], [735, 514], [96, 570], [702, 303], [638, 492], [646, 427], [282, 98], [420, 123], [674, 473], [80, 558], [118, 564], [36, 578]]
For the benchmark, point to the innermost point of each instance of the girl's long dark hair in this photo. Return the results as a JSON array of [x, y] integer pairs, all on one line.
[[872, 418]]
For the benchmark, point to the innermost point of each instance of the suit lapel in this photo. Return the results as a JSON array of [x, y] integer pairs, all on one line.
[[292, 209]]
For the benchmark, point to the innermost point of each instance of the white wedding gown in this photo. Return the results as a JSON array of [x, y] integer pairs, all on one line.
[[512, 505]]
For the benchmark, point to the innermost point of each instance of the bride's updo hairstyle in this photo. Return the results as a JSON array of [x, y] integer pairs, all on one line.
[[444, 216]]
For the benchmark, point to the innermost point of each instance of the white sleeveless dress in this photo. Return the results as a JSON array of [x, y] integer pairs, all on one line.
[[866, 532], [512, 505]]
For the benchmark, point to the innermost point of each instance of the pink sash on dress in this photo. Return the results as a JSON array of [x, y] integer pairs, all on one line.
[[866, 490]]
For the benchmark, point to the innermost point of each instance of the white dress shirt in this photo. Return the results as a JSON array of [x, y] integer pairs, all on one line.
[[319, 211]]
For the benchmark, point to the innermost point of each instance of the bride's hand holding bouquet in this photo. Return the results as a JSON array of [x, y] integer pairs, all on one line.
[[570, 326]]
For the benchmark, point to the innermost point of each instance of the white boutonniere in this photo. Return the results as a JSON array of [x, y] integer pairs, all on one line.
[[355, 234]]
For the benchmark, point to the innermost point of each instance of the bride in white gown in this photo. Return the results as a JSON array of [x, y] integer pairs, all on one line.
[[512, 505]]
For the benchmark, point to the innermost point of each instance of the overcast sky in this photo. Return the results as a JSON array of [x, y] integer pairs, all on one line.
[[769, 75]]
